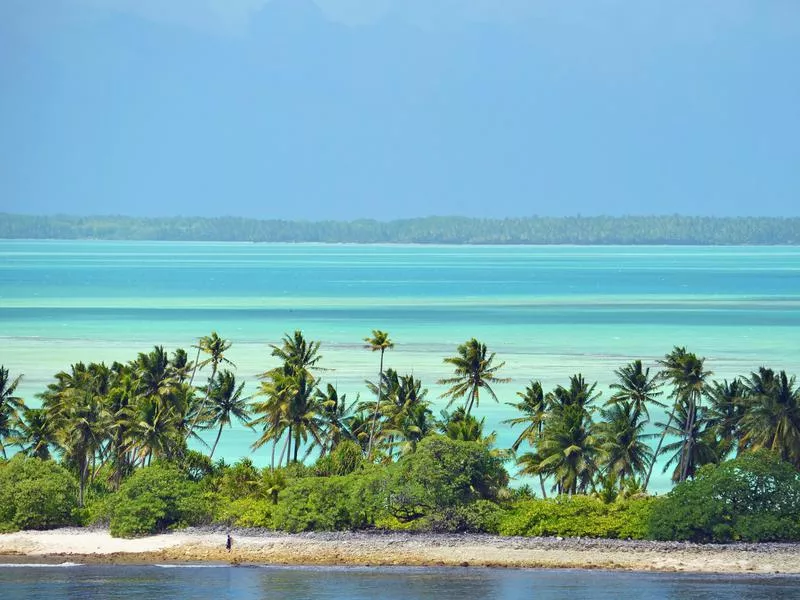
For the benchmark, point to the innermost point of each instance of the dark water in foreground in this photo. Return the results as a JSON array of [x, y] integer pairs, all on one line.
[[154, 582]]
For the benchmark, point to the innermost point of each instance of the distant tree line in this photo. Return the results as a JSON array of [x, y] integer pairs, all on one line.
[[636, 230]]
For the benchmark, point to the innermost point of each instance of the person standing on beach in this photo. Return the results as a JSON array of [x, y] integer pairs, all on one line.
[[229, 543]]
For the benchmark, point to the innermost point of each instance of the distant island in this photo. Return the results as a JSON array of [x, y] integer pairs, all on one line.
[[578, 230]]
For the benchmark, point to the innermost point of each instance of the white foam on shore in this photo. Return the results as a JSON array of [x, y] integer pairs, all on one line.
[[39, 565]]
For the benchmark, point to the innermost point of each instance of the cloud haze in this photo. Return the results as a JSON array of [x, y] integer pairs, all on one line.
[[397, 108]]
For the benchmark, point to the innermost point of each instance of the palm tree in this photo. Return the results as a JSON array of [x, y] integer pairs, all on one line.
[[155, 374], [215, 347], [388, 390], [154, 431], [686, 458], [413, 424], [33, 434], [226, 402], [407, 412], [635, 384], [687, 374], [297, 353], [402, 416], [301, 412], [534, 406], [9, 403], [8, 433], [277, 390], [379, 342], [579, 394], [120, 404], [461, 426], [292, 405], [359, 428], [621, 436], [305, 415], [180, 364], [76, 417], [10, 406], [337, 415], [473, 371], [726, 407], [772, 417], [568, 448], [83, 427]]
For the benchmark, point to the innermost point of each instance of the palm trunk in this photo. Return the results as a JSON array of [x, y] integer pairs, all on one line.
[[658, 448], [194, 368], [288, 447], [216, 441], [283, 450], [274, 446], [377, 406], [472, 397], [82, 481], [205, 401], [541, 484], [687, 445]]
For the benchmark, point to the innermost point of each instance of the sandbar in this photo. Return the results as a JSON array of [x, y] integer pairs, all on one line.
[[201, 545]]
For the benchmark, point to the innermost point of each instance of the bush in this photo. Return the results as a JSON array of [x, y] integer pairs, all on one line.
[[345, 458], [316, 504], [578, 516], [240, 480], [196, 465], [444, 474], [155, 499], [245, 512], [36, 494], [755, 498], [481, 516], [333, 503]]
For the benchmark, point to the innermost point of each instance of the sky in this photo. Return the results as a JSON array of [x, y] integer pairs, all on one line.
[[387, 109]]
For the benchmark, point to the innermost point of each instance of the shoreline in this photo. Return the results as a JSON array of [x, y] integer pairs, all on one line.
[[257, 547]]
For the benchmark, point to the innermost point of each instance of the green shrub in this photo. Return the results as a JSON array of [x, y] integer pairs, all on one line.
[[346, 502], [98, 510], [345, 458], [245, 512], [578, 516], [480, 516], [36, 494], [315, 504], [240, 480], [754, 498], [154, 499], [196, 465], [444, 474]]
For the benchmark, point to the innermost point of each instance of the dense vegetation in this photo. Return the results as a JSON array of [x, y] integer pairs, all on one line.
[[429, 230], [110, 444]]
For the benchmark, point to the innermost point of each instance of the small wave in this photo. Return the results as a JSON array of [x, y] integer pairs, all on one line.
[[40, 565]]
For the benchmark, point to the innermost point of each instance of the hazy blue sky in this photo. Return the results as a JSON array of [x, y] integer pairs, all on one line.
[[397, 108]]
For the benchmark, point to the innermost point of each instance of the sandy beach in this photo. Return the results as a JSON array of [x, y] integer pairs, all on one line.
[[262, 547]]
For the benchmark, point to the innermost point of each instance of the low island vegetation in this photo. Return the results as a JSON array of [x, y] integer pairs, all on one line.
[[578, 230], [111, 445]]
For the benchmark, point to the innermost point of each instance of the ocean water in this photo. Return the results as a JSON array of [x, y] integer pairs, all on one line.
[[548, 312], [241, 583]]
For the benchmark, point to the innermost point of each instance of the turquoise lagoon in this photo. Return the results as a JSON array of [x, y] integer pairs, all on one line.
[[548, 312]]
